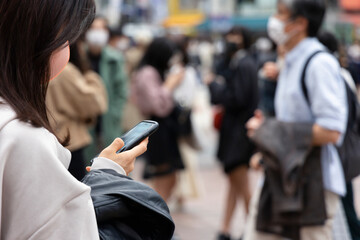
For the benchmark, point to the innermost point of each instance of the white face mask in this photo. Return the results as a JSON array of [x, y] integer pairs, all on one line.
[[97, 37], [354, 52], [276, 31], [123, 44]]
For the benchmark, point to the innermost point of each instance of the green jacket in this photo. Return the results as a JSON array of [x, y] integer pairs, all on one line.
[[112, 72]]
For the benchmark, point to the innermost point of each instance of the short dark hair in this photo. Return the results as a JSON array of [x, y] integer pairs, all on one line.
[[329, 41], [116, 32], [79, 59], [311, 10], [30, 32], [181, 45], [244, 32]]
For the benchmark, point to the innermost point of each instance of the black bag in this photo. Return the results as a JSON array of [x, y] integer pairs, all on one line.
[[182, 120], [349, 151]]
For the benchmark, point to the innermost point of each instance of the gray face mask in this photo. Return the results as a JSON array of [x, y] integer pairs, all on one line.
[[97, 37]]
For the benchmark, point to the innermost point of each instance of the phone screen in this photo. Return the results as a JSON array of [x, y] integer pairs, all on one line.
[[138, 134]]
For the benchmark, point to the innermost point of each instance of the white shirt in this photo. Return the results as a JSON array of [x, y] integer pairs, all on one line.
[[40, 199], [327, 96]]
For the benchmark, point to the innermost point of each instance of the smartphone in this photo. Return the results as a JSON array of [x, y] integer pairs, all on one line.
[[137, 134]]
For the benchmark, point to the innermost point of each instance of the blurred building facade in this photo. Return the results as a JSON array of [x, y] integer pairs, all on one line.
[[220, 15]]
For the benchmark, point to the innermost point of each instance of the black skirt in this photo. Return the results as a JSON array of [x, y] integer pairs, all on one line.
[[235, 148], [163, 155]]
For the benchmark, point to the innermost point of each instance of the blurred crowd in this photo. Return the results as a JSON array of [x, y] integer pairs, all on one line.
[[114, 81]]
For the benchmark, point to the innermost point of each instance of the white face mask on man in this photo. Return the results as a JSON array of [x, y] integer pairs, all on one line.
[[276, 31], [97, 37]]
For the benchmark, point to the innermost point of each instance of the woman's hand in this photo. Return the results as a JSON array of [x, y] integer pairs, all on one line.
[[255, 161], [174, 79], [255, 123], [125, 159]]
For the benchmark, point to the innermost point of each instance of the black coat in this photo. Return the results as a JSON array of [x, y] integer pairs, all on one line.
[[126, 209], [239, 97]]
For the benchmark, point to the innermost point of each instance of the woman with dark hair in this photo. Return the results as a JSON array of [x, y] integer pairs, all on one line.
[[39, 198], [75, 99], [238, 95], [152, 90]]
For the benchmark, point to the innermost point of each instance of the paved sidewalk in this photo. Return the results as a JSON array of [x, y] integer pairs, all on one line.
[[201, 218]]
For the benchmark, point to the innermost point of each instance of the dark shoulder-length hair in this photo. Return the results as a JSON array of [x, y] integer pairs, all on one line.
[[78, 57], [244, 32], [158, 55], [30, 31]]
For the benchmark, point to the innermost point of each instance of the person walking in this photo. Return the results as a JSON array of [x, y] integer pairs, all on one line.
[[239, 97], [321, 125], [152, 90], [110, 65]]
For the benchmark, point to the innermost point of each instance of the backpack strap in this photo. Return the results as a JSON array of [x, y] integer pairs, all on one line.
[[303, 83]]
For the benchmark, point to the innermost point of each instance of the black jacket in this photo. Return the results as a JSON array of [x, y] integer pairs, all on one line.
[[239, 97], [127, 209], [293, 193]]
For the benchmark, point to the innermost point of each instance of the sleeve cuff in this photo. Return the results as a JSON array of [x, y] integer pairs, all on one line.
[[334, 126], [104, 163]]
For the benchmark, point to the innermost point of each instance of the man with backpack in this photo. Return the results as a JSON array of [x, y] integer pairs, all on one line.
[[324, 108]]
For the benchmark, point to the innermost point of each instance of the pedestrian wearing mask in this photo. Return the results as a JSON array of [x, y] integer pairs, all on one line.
[[304, 176], [131, 114], [239, 97], [118, 40], [110, 65]]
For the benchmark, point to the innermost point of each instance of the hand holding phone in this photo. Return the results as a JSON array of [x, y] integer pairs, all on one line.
[[125, 159], [137, 134], [132, 144]]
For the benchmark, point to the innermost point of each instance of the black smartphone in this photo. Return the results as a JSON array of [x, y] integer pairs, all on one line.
[[137, 134]]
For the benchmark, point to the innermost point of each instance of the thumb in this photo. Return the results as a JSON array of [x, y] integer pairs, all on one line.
[[259, 114], [116, 145]]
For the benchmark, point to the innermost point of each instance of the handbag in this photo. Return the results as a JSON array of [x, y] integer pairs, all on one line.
[[218, 117], [182, 117]]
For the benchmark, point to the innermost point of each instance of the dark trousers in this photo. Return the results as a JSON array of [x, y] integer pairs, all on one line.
[[353, 221], [77, 164]]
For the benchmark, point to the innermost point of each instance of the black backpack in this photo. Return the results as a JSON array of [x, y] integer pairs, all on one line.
[[349, 151]]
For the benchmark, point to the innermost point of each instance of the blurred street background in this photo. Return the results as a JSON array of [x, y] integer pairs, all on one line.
[[214, 17], [198, 212]]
